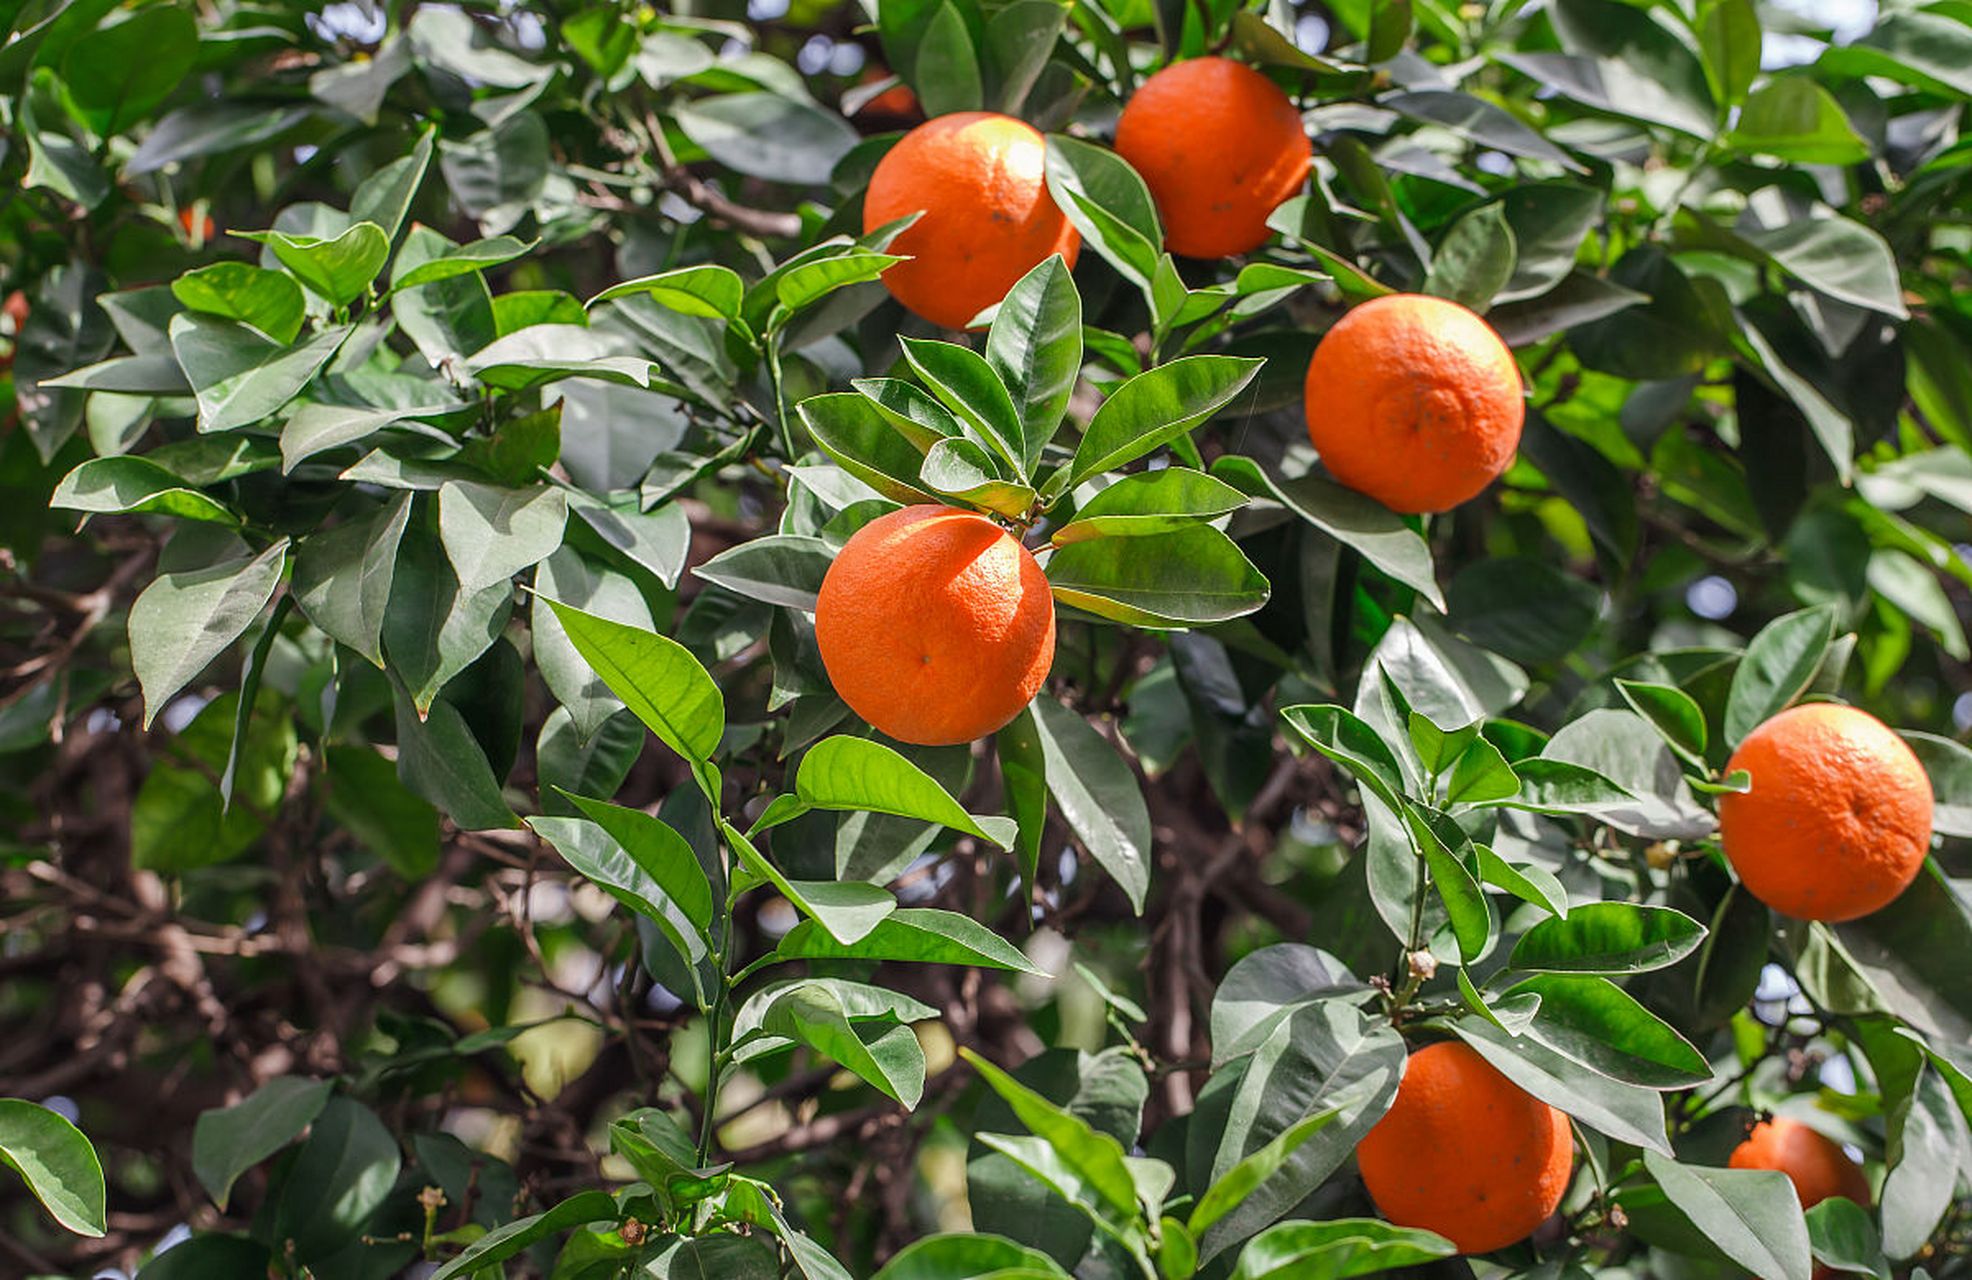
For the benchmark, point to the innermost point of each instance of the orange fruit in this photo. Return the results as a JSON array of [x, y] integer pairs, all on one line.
[[981, 181], [1816, 1165], [1220, 146], [1464, 1152], [1838, 819], [935, 625], [206, 229], [895, 104], [1414, 401]]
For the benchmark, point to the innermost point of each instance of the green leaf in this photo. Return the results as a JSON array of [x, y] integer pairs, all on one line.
[[386, 195], [1151, 502], [1794, 119], [365, 796], [338, 268], [270, 301], [656, 677], [660, 853], [1475, 259], [707, 290], [1928, 49], [1949, 765], [1524, 880], [1729, 38], [1510, 1014], [338, 1179], [848, 910], [1598, 1024], [958, 468], [1927, 1139], [459, 260], [1843, 1238], [1780, 661], [1750, 1215], [1109, 204], [607, 864], [1838, 257], [1337, 1249], [886, 1057], [1481, 776], [119, 73], [433, 627], [135, 485], [227, 1141], [779, 569], [946, 70], [1609, 937], [1625, 1112], [1324, 1053], [847, 773], [1156, 407], [241, 377], [1244, 1178], [1097, 795], [57, 1163], [186, 618], [918, 935], [768, 135], [510, 1239], [968, 1256], [439, 759], [864, 440], [1454, 866], [913, 413], [1358, 522], [344, 576], [1094, 1157], [1349, 741], [1672, 712], [492, 533], [1185, 577], [1035, 346], [808, 283], [1478, 121], [968, 386]]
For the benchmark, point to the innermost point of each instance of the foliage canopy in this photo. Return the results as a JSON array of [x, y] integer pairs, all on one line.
[[436, 846]]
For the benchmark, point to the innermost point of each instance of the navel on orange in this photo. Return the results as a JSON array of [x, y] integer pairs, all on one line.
[[1220, 147], [980, 180], [1415, 401], [935, 625], [1838, 819]]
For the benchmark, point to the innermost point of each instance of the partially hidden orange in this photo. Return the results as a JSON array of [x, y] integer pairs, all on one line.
[[1466, 1153], [1816, 1165], [980, 180], [1837, 820], [1220, 147], [1415, 401], [935, 625]]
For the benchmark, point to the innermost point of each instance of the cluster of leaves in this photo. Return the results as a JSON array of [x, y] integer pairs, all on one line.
[[464, 407]]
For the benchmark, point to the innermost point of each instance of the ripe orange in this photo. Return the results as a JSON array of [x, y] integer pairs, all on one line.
[[895, 105], [1415, 401], [981, 181], [1838, 819], [1220, 146], [936, 626], [1464, 1152], [207, 229], [1817, 1166]]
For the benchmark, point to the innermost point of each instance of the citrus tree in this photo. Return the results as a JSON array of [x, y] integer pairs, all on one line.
[[962, 638]]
